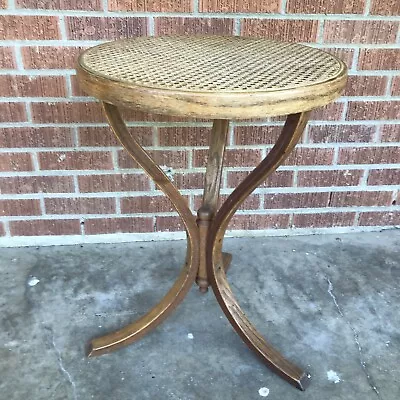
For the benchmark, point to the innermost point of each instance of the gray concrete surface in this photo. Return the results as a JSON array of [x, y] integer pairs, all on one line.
[[329, 303]]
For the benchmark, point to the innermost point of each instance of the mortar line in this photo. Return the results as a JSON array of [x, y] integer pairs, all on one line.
[[255, 15], [132, 171], [283, 7], [62, 27], [320, 32], [6, 226], [195, 7], [237, 28], [150, 26], [367, 7], [389, 84]]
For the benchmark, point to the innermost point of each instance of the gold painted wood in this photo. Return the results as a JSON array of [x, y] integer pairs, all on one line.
[[219, 78], [212, 183], [186, 278], [216, 77], [290, 135]]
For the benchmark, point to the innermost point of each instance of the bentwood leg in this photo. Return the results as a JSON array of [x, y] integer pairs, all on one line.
[[290, 135], [212, 183], [154, 317]]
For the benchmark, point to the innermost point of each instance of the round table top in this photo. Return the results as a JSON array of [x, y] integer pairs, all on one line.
[[211, 76]]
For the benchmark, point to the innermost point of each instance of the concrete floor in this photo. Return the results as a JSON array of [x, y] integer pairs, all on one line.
[[329, 303]]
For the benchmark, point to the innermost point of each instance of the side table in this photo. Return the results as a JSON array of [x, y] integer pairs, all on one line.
[[220, 78]]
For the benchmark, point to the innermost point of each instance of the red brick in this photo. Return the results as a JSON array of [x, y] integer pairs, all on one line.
[[118, 225], [171, 159], [12, 112], [295, 200], [32, 86], [28, 27], [36, 184], [384, 177], [80, 205], [379, 59], [253, 135], [390, 133], [193, 26], [49, 57], [323, 220], [348, 31], [184, 136], [385, 7], [371, 199], [346, 55], [310, 156], [151, 5], [329, 178], [251, 203], [2, 230], [325, 6], [186, 180], [85, 5], [146, 204], [340, 133], [365, 85], [233, 158], [256, 222], [15, 162], [96, 28], [45, 227], [331, 112], [244, 6], [67, 112], [113, 183], [396, 86], [3, 4], [103, 136], [278, 29], [169, 224], [369, 155], [79, 160], [277, 179], [386, 218], [373, 110], [35, 137], [7, 58], [20, 207]]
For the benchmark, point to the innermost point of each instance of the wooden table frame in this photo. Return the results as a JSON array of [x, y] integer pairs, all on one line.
[[206, 264], [219, 78]]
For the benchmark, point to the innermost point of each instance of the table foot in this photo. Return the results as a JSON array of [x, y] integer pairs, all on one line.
[[271, 357], [148, 322], [290, 135]]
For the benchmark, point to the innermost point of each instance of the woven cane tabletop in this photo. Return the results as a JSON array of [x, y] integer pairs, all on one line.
[[209, 69]]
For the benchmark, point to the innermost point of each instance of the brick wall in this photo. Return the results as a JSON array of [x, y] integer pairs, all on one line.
[[62, 172]]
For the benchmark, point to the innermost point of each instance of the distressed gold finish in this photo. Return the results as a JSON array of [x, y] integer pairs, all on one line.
[[218, 78]]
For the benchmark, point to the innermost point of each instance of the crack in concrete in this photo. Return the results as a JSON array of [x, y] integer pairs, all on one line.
[[370, 380], [61, 365]]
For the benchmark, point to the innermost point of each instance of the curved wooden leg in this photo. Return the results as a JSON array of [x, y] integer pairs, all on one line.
[[186, 278], [290, 135], [212, 183]]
